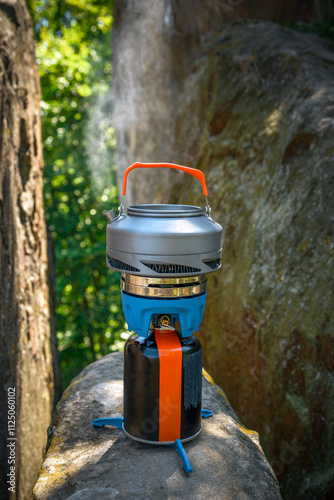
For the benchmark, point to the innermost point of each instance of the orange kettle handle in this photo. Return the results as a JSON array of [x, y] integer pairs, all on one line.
[[192, 171]]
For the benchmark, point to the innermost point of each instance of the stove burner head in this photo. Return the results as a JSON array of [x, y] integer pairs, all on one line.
[[163, 287]]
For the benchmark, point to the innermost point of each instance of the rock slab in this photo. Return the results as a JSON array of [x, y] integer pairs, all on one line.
[[84, 462]]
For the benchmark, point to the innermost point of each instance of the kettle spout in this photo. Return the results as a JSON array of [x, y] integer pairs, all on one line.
[[110, 215]]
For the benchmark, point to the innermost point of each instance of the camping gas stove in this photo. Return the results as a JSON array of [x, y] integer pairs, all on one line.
[[164, 253]]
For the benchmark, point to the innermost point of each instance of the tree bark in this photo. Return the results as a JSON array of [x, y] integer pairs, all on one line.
[[25, 335], [155, 44], [51, 277]]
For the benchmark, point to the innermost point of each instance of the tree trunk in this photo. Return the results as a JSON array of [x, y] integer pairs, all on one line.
[[155, 44], [26, 352]]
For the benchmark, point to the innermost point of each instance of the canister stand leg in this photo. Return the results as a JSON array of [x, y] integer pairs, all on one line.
[[178, 447], [101, 422], [206, 413]]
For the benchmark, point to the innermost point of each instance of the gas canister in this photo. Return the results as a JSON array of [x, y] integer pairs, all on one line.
[[162, 387]]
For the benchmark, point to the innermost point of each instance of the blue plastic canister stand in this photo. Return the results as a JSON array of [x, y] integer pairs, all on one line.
[[178, 446], [138, 311]]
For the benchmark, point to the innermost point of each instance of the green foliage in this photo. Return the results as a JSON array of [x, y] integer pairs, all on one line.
[[325, 29], [322, 23], [74, 53]]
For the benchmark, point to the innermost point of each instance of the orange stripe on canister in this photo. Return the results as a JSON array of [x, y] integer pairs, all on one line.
[[170, 384]]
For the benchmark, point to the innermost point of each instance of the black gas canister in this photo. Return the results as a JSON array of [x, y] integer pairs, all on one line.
[[162, 387]]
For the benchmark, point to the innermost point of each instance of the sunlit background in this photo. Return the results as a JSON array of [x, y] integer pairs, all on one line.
[[73, 49]]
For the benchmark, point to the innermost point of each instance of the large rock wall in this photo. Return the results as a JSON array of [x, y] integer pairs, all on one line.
[[256, 115]]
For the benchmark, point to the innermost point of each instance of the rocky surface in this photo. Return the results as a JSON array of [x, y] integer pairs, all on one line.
[[256, 114], [84, 462]]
